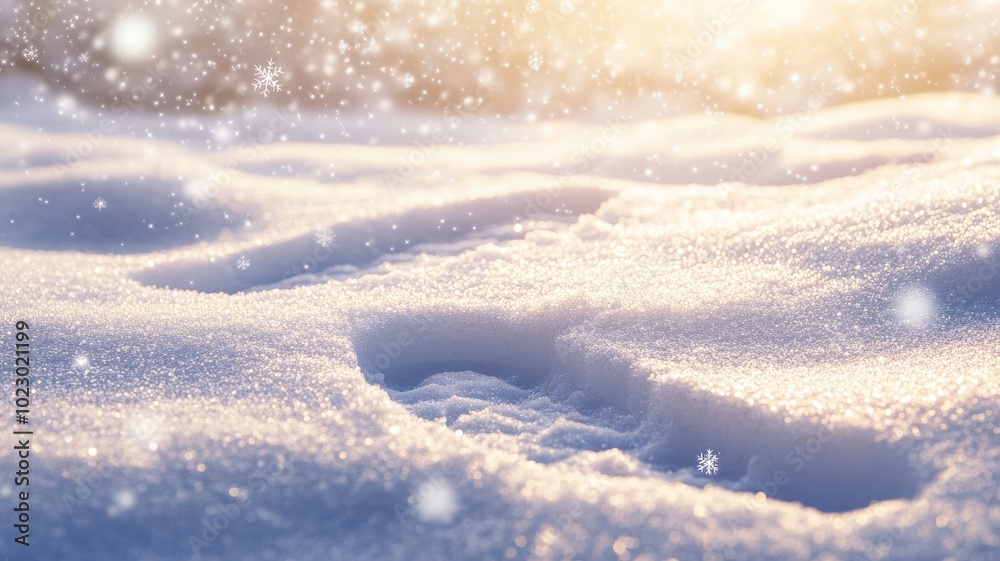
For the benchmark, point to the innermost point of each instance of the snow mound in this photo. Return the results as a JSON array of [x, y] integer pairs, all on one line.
[[533, 375], [146, 214]]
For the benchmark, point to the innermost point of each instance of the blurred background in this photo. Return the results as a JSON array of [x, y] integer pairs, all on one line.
[[538, 59]]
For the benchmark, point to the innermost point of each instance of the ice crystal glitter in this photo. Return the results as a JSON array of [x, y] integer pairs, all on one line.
[[242, 263], [708, 462], [267, 78], [535, 61], [325, 237], [100, 204], [30, 54]]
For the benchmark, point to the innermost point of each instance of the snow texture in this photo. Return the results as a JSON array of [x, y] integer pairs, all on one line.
[[513, 362]]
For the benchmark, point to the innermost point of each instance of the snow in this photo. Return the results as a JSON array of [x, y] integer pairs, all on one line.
[[519, 350]]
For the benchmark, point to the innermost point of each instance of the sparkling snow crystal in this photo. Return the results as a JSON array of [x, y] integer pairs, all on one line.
[[325, 237], [81, 361], [708, 462], [535, 61], [100, 204], [267, 78]]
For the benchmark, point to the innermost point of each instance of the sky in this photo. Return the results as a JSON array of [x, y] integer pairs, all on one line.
[[536, 59]]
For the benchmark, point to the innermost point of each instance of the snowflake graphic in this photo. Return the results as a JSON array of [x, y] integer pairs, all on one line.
[[408, 81], [325, 237], [267, 78], [342, 46], [84, 57], [708, 462], [535, 61], [533, 7], [31, 53], [100, 204], [242, 263]]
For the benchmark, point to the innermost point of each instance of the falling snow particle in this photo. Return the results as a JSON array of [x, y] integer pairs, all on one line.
[[708, 462], [31, 53], [535, 61], [325, 237], [436, 501], [242, 263], [916, 307], [533, 7], [267, 78], [408, 80], [100, 204]]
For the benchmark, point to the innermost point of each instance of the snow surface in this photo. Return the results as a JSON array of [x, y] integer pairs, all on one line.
[[520, 350]]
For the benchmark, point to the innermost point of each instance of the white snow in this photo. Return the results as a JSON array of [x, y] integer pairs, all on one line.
[[498, 361]]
